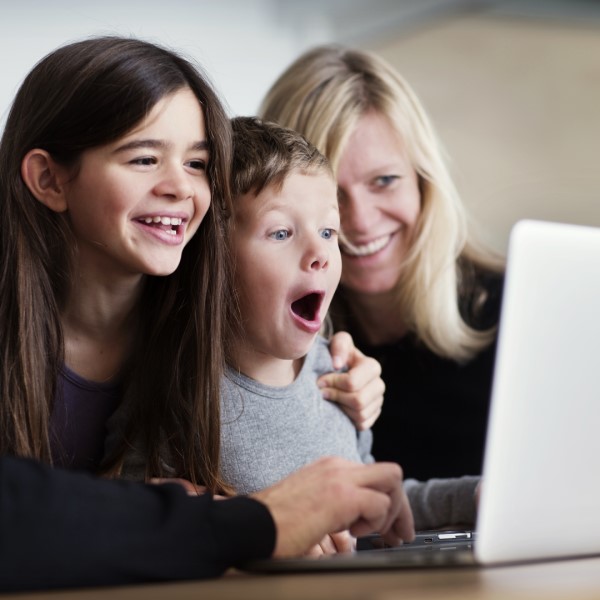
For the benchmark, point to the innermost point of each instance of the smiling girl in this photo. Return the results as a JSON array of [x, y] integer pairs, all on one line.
[[114, 180]]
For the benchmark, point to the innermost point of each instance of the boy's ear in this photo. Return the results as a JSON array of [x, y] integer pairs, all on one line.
[[43, 178]]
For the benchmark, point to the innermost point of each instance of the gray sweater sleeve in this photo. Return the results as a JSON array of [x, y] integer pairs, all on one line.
[[440, 503], [364, 444]]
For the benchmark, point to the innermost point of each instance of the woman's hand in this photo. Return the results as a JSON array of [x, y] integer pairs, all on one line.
[[359, 390]]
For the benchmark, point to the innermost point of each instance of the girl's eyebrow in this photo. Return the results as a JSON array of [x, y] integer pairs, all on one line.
[[158, 145]]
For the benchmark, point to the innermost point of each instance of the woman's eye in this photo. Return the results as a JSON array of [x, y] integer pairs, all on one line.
[[385, 180], [280, 234]]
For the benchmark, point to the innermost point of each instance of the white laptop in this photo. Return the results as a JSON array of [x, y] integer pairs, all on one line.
[[540, 496]]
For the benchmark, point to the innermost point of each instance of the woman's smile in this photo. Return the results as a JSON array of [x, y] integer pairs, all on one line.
[[364, 249]]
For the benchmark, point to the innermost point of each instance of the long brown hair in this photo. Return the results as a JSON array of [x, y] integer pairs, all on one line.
[[80, 96]]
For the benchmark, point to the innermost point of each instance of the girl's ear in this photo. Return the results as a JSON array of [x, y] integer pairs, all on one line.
[[42, 176]]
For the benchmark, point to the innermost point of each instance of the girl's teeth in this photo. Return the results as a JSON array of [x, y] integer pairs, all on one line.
[[163, 220]]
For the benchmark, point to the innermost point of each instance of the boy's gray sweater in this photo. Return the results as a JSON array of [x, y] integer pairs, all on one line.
[[269, 432]]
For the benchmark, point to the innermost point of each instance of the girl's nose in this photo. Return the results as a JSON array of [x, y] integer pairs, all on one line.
[[175, 183]]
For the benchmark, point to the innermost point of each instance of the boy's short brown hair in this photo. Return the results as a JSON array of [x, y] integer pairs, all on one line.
[[265, 153]]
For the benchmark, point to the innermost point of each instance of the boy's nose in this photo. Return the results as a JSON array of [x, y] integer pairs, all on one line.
[[318, 260], [319, 264]]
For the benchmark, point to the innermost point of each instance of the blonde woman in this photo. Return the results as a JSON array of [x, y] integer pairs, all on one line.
[[417, 292]]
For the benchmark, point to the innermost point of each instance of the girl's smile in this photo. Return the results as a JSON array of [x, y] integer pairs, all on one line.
[[164, 225]]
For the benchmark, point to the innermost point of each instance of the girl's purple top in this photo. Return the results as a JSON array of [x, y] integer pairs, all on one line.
[[78, 420]]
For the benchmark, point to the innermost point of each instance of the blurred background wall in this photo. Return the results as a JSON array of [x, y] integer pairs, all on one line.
[[512, 86]]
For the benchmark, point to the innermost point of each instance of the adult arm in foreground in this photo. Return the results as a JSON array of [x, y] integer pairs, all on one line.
[[61, 529]]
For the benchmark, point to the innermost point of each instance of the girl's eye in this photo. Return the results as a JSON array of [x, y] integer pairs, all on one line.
[[198, 164], [384, 181], [145, 161], [280, 235], [328, 233]]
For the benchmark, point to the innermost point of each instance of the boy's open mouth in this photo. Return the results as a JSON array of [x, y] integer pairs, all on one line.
[[307, 307]]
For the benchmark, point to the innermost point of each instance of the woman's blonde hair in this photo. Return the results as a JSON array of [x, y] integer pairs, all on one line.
[[322, 95]]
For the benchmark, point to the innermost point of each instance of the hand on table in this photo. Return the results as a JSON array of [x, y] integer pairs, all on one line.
[[333, 495], [334, 543]]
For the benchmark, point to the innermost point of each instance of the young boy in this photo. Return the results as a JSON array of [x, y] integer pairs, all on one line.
[[283, 240], [287, 265]]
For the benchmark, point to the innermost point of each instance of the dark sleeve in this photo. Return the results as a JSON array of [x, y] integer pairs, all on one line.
[[480, 297], [63, 529]]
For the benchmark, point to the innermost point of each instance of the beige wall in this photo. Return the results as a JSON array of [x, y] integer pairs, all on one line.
[[517, 105]]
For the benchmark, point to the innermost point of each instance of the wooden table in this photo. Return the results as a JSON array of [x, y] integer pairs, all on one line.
[[577, 579]]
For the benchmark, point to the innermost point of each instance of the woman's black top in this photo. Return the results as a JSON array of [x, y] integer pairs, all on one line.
[[435, 411]]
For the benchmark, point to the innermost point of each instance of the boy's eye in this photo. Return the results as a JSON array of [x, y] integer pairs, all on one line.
[[280, 234], [328, 233]]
